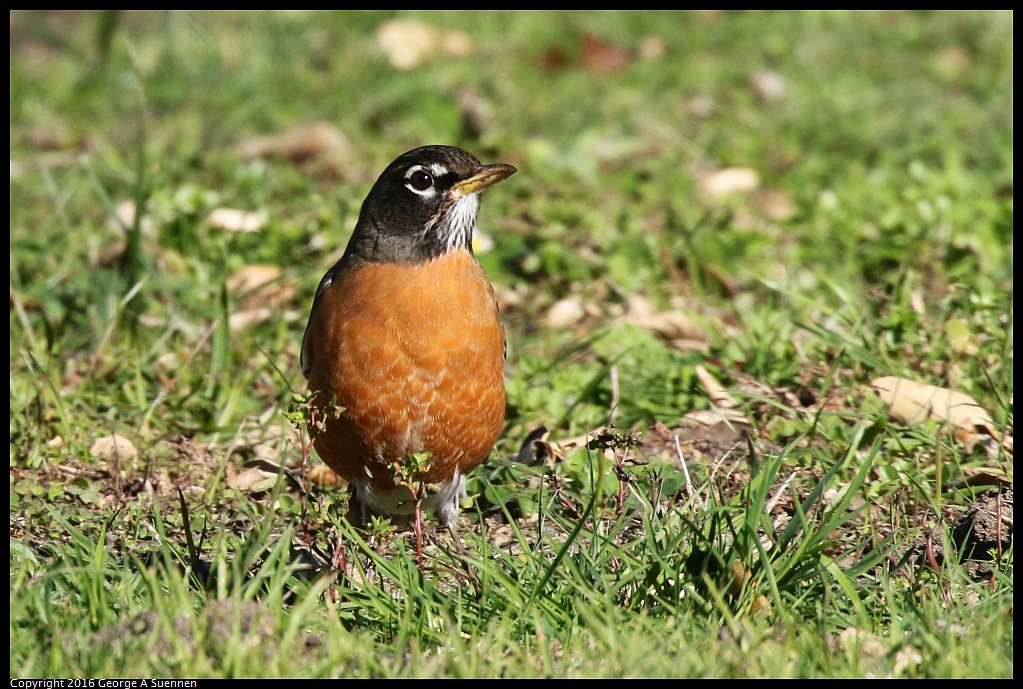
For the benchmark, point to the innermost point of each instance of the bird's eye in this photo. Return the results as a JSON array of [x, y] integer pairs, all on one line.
[[421, 180]]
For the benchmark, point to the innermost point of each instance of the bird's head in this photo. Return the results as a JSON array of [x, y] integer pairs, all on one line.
[[423, 206]]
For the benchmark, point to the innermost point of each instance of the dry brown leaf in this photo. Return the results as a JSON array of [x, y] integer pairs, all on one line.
[[701, 106], [267, 443], [712, 417], [406, 43], [260, 286], [777, 205], [477, 112], [674, 325], [687, 345], [508, 298], [914, 403], [864, 644], [409, 43], [566, 312], [565, 447], [51, 136], [652, 48], [252, 480], [240, 320], [731, 180], [313, 140], [976, 476], [456, 43], [234, 220], [46, 161], [718, 395], [768, 86], [604, 57], [114, 446], [252, 277], [168, 361], [953, 61], [125, 220]]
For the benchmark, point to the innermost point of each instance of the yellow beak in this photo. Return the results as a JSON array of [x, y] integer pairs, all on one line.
[[488, 175]]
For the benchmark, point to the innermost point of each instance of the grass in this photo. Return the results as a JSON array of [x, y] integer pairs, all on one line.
[[876, 240]]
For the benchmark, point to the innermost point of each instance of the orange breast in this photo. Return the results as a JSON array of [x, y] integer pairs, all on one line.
[[415, 356]]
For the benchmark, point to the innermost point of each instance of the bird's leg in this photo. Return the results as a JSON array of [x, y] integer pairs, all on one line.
[[454, 537], [457, 540], [418, 526]]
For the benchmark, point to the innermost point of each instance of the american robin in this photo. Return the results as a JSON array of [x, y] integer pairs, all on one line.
[[405, 339]]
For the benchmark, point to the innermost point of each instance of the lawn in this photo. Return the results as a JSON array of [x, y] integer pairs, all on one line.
[[738, 248]]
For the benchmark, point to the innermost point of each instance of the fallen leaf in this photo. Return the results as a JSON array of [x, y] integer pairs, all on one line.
[[907, 658], [975, 476], [953, 61], [125, 221], [314, 140], [701, 106], [718, 395], [913, 403], [456, 43], [252, 277], [861, 643], [168, 362], [673, 325], [507, 298], [768, 86], [712, 417], [566, 312], [730, 180], [252, 480], [46, 161], [260, 286], [240, 320], [409, 43], [318, 242], [52, 136], [604, 57], [777, 205], [651, 48], [234, 220], [406, 43], [268, 445], [477, 113], [114, 446], [563, 448]]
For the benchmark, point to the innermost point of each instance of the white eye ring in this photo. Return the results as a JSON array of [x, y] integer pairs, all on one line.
[[419, 181]]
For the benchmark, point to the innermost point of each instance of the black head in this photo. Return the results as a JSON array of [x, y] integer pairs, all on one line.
[[422, 206]]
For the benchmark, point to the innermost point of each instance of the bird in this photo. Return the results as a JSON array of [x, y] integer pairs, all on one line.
[[404, 349]]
